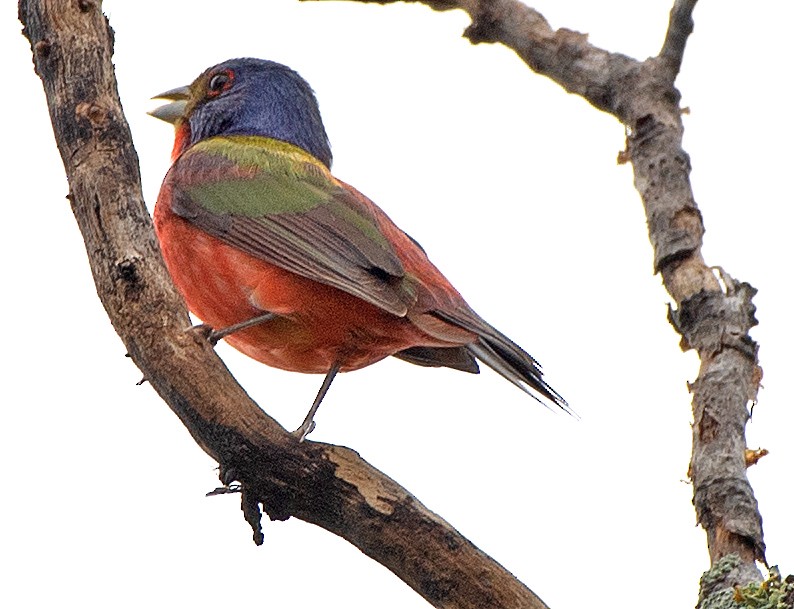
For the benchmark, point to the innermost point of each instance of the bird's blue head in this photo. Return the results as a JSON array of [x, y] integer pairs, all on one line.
[[248, 97]]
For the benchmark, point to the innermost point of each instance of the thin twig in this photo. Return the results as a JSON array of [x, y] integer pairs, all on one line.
[[678, 32]]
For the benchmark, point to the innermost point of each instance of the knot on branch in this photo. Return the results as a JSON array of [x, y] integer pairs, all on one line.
[[93, 113], [127, 272], [281, 480], [484, 25], [710, 321], [42, 49], [85, 6]]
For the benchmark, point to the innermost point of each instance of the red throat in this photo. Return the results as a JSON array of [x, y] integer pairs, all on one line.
[[182, 139]]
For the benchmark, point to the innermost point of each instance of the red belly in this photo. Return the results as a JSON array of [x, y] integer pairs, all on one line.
[[317, 326]]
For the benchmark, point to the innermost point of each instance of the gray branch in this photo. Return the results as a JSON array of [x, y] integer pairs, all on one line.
[[331, 486], [714, 314]]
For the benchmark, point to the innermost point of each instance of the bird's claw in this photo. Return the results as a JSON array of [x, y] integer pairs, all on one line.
[[304, 430], [206, 332]]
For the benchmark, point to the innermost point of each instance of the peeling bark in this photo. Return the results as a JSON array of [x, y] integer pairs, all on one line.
[[331, 486]]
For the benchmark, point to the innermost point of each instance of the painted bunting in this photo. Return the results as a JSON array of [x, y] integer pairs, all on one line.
[[292, 266]]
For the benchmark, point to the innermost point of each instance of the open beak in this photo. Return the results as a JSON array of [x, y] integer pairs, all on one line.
[[175, 109]]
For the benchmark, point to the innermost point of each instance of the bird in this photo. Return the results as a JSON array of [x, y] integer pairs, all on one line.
[[292, 266]]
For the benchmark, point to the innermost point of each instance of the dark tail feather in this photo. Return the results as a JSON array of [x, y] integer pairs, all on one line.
[[517, 366], [491, 347], [458, 358]]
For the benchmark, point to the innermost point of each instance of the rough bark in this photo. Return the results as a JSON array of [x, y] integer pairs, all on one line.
[[329, 486], [713, 313]]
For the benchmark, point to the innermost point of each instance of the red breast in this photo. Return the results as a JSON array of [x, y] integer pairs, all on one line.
[[319, 324]]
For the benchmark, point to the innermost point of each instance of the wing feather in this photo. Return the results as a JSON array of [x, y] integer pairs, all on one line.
[[280, 205]]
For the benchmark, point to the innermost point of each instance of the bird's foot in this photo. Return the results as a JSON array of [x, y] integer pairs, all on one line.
[[213, 336], [304, 430], [216, 335], [308, 422], [206, 332]]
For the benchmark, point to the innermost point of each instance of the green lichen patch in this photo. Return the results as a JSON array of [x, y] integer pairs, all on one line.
[[772, 593]]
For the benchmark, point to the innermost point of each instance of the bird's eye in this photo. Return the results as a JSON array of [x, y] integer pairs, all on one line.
[[219, 83]]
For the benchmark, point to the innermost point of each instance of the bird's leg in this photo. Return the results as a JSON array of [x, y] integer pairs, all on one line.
[[308, 423], [215, 335]]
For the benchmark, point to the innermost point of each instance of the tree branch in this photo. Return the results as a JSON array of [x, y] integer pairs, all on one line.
[[714, 315], [329, 486], [678, 32]]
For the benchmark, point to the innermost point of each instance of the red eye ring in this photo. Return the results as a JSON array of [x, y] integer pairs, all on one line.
[[220, 82]]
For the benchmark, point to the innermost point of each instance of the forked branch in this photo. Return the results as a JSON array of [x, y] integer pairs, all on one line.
[[331, 486], [714, 314]]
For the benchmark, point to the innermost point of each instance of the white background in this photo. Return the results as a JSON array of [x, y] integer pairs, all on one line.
[[512, 187]]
